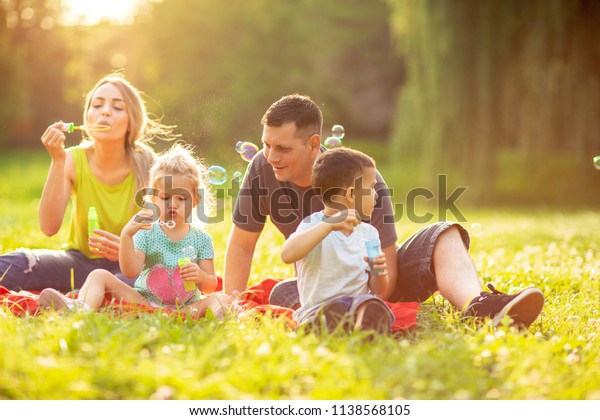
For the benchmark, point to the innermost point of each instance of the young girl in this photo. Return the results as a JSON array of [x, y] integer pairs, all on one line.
[[154, 245], [103, 172]]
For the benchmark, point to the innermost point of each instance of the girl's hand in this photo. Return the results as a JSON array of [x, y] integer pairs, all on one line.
[[192, 272], [133, 226], [53, 140], [105, 244]]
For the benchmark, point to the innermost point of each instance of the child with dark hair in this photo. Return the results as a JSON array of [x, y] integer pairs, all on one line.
[[335, 281]]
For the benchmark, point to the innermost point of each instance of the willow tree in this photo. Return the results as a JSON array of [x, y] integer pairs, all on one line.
[[500, 88]]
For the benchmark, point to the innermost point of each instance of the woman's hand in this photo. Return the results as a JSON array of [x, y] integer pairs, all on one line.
[[53, 140], [105, 244]]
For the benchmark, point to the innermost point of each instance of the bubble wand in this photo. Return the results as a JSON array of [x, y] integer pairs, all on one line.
[[70, 127]]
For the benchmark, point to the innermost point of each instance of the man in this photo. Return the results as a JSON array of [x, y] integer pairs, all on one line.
[[278, 185]]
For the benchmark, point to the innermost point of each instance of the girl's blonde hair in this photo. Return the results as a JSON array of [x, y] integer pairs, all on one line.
[[180, 161], [141, 130]]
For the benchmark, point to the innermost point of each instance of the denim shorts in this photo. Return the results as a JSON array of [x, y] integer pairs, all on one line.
[[416, 273], [35, 270]]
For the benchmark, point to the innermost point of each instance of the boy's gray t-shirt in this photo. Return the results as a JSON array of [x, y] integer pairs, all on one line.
[[287, 204], [334, 268]]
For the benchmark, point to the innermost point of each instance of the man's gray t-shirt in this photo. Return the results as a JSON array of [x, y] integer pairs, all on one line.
[[287, 204]]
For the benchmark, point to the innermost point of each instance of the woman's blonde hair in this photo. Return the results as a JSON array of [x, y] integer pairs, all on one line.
[[141, 130], [180, 161]]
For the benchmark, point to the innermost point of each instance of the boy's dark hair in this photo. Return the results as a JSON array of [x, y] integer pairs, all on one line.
[[295, 108], [337, 169]]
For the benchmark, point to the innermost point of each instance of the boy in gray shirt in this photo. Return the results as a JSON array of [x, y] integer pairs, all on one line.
[[334, 279]]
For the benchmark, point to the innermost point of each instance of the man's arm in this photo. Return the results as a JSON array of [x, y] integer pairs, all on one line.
[[391, 261], [238, 259]]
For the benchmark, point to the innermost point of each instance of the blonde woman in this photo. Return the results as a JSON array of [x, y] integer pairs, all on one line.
[[103, 172]]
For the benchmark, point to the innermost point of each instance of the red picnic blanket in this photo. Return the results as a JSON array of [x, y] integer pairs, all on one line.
[[254, 299]]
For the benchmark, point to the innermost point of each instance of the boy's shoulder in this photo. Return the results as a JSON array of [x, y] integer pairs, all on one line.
[[368, 229], [311, 219]]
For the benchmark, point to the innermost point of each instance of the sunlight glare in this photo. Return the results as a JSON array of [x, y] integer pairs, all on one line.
[[91, 12]]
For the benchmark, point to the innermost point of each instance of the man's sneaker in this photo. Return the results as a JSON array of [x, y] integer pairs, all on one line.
[[53, 299], [523, 307], [373, 316]]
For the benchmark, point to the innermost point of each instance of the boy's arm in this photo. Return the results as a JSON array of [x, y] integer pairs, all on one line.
[[378, 284], [392, 271], [300, 244]]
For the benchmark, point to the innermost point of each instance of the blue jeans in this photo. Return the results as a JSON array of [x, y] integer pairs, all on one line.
[[35, 270]]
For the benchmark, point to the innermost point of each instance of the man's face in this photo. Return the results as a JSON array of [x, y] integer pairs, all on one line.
[[290, 156]]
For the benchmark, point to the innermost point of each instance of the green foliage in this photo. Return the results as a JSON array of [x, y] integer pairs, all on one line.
[[103, 356], [489, 77], [213, 68], [487, 92]]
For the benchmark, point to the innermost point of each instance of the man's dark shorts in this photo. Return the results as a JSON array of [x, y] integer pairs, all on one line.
[[416, 278], [416, 273]]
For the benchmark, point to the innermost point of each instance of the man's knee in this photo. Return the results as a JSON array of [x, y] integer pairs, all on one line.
[[453, 236]]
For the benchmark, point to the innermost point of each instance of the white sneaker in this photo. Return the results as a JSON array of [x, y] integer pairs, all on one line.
[[53, 299]]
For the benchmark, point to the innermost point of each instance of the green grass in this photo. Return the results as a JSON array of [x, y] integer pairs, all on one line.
[[100, 356]]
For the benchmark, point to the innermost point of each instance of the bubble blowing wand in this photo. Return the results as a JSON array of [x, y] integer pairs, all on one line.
[[70, 127]]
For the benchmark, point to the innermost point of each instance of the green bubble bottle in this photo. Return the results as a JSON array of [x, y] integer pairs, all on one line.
[[189, 255], [93, 222]]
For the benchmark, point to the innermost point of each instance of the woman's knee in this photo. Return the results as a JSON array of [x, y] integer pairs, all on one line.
[[16, 269], [21, 261]]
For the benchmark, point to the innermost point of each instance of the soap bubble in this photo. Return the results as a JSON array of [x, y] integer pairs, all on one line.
[[237, 175], [170, 224], [189, 252], [597, 162], [476, 229], [247, 150], [217, 175], [338, 131], [238, 146], [333, 142]]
